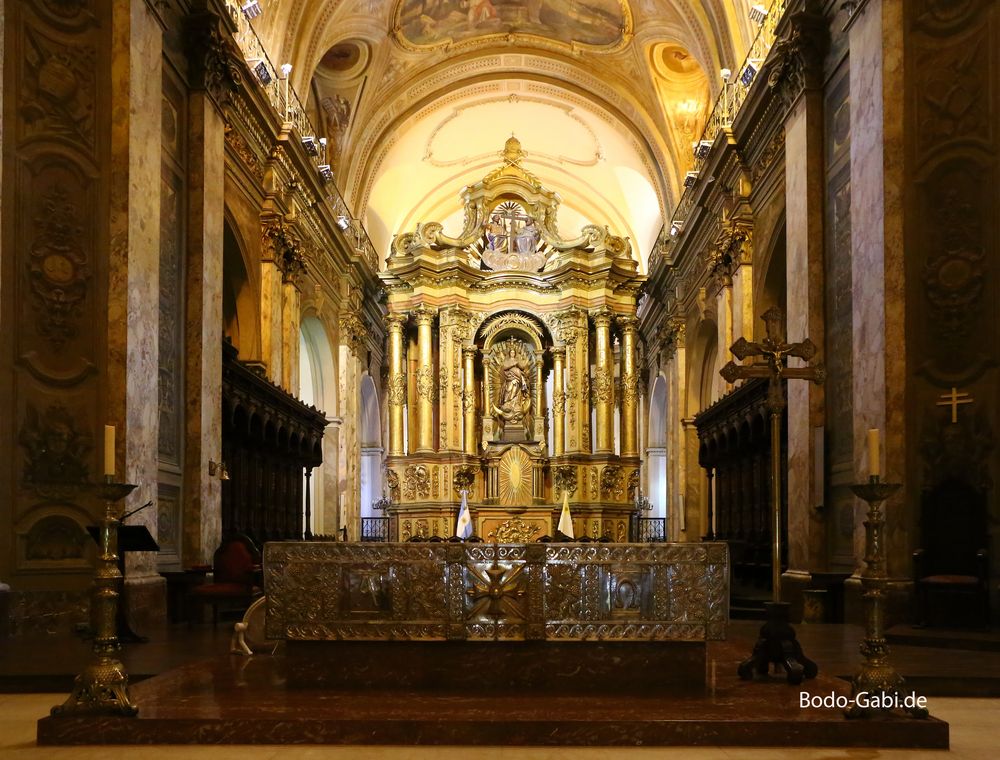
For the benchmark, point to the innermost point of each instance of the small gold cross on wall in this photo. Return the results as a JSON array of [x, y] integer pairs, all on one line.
[[954, 399]]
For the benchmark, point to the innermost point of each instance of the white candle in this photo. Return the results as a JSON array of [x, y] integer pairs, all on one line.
[[109, 450], [874, 459]]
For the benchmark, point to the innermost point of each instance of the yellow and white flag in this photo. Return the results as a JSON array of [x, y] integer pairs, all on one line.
[[463, 529], [565, 519]]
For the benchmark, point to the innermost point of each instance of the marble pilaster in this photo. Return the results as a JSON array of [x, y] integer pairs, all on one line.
[[290, 317], [877, 181], [203, 331], [271, 279], [134, 272], [804, 319]]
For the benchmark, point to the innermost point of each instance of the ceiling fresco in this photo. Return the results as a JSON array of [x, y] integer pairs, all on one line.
[[593, 23]]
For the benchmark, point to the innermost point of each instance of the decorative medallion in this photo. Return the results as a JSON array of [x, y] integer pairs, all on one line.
[[496, 591], [57, 267]]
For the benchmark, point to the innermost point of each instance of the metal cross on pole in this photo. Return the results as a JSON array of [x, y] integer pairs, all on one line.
[[775, 352]]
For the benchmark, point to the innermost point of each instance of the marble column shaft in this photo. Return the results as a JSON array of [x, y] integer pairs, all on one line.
[[604, 400], [558, 402], [470, 442], [630, 391], [134, 266], [290, 318], [805, 319], [203, 332], [880, 375], [397, 383], [425, 379]]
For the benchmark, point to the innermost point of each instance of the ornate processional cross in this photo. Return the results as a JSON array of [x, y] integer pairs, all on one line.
[[775, 351]]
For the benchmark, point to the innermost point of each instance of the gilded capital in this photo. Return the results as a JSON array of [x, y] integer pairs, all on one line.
[[627, 322], [603, 317], [469, 352], [558, 352], [424, 315], [395, 322]]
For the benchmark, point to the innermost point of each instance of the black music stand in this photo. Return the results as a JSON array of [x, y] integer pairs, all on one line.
[[131, 538]]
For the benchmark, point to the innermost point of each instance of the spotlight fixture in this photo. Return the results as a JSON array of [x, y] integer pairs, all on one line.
[[310, 144], [758, 13], [343, 222], [702, 148], [746, 78], [286, 69], [327, 174], [676, 226], [690, 178], [251, 9], [263, 74], [725, 74]]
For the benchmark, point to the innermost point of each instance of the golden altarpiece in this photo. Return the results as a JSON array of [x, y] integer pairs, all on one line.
[[510, 350]]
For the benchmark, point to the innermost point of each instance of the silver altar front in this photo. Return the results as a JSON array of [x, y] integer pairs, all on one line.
[[328, 591]]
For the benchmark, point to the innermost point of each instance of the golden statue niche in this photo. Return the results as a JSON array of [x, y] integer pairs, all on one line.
[[509, 351]]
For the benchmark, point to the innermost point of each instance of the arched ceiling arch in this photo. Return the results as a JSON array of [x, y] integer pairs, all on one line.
[[423, 57]]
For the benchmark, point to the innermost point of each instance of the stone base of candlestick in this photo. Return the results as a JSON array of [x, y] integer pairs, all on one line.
[[878, 690], [777, 644], [102, 687]]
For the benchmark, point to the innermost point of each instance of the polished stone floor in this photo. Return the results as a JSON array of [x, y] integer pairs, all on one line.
[[834, 647], [973, 737]]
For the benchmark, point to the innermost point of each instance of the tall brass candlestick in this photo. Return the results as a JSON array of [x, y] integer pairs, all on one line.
[[102, 687], [877, 678]]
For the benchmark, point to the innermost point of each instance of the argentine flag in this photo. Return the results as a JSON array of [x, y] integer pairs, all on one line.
[[463, 529], [565, 520]]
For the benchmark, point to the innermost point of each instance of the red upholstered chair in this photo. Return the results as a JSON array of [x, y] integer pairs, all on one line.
[[236, 570], [951, 569]]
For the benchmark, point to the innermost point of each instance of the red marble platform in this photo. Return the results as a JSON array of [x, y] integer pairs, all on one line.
[[234, 700]]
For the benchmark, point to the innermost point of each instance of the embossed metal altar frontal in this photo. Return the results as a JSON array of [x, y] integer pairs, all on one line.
[[320, 591]]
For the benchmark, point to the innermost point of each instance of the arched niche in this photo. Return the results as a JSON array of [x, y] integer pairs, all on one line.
[[240, 309], [318, 388], [370, 433], [656, 450], [518, 336]]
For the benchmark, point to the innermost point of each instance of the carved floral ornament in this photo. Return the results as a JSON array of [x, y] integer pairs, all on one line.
[[57, 267], [796, 59], [611, 481], [354, 333], [282, 245], [216, 66], [416, 482]]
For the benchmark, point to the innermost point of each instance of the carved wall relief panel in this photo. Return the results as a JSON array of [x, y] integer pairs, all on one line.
[[54, 264], [952, 237]]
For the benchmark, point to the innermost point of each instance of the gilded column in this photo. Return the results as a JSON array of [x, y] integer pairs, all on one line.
[[425, 378], [540, 397], [604, 384], [558, 402], [397, 382], [630, 407], [469, 399]]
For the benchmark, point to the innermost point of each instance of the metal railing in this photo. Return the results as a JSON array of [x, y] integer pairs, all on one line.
[[375, 529], [287, 105], [734, 93], [648, 530]]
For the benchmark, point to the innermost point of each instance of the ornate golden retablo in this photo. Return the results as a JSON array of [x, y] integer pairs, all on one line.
[[495, 334]]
